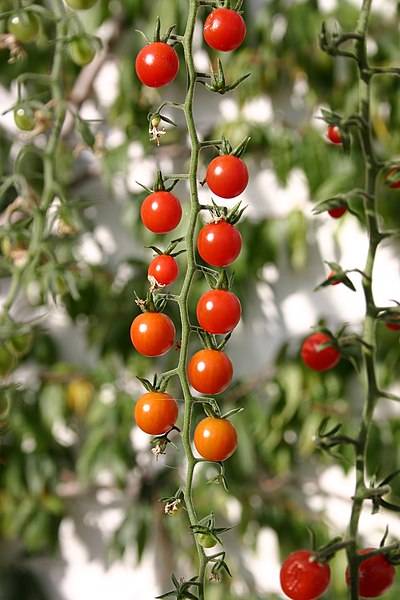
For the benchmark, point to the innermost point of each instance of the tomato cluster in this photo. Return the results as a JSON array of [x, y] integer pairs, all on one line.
[[304, 577]]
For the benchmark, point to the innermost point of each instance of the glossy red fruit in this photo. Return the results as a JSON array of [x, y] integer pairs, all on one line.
[[152, 333], [336, 213], [156, 412], [316, 358], [218, 311], [333, 134], [219, 244], [227, 176], [215, 439], [161, 212], [210, 371], [302, 577], [164, 269], [224, 29], [375, 575], [157, 64]]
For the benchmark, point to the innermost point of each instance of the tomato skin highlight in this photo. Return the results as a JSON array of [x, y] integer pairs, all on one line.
[[164, 269], [152, 333], [219, 244], [157, 64], [319, 360], [156, 412], [333, 135], [224, 29], [210, 371], [161, 212], [218, 311], [227, 176], [24, 25], [302, 577], [375, 575], [215, 439], [24, 118]]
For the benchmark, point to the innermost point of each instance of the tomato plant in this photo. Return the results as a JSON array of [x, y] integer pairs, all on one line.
[[218, 311], [164, 269], [210, 371], [24, 117], [156, 412], [161, 212], [227, 176], [224, 29], [333, 134], [81, 4], [317, 358], [219, 243], [375, 575], [152, 333], [215, 439], [395, 185], [338, 212], [303, 577], [206, 540], [24, 25], [157, 64], [82, 50]]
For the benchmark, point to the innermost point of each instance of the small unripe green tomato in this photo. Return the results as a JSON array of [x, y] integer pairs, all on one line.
[[20, 344], [7, 361], [81, 4], [206, 540], [82, 50], [24, 118], [24, 25]]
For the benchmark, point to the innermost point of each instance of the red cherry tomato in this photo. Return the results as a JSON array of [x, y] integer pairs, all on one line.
[[219, 244], [227, 176], [314, 357], [157, 64], [210, 371], [218, 311], [152, 333], [375, 575], [336, 213], [161, 212], [156, 412], [303, 577], [224, 29], [215, 439], [333, 134], [164, 269]]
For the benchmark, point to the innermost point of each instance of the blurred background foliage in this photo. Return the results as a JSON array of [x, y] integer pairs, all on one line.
[[67, 427]]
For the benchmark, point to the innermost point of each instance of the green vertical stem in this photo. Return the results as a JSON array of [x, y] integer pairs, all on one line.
[[191, 269], [368, 348]]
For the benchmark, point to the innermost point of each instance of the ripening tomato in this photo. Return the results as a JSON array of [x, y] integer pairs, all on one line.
[[152, 333], [161, 212], [24, 25], [157, 64], [218, 311], [227, 176], [224, 29], [393, 326], [333, 134], [314, 357], [81, 4], [338, 212], [164, 269], [332, 277], [215, 439], [210, 371], [303, 577], [156, 412], [375, 575], [219, 243], [396, 184]]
